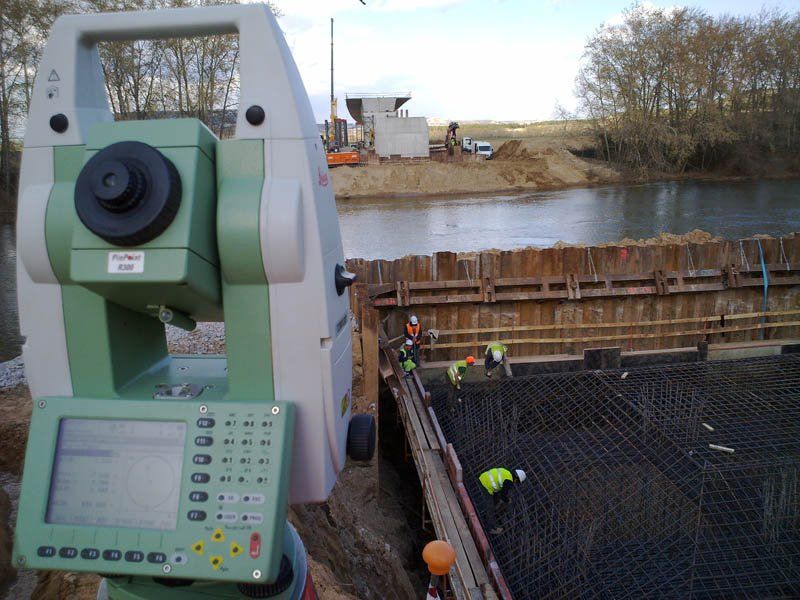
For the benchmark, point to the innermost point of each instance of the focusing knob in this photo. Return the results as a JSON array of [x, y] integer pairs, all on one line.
[[128, 193], [118, 186]]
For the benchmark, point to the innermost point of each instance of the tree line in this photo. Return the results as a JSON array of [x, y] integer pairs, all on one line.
[[191, 77], [675, 90]]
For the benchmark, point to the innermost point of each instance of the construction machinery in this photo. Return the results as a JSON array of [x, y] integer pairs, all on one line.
[[450, 138], [171, 475]]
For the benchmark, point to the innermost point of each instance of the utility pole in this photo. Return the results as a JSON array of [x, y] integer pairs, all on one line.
[[332, 129]]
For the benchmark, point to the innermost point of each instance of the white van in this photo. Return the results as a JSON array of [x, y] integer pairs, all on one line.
[[484, 149]]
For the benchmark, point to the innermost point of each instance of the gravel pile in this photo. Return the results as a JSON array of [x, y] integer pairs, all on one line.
[[207, 338], [12, 373]]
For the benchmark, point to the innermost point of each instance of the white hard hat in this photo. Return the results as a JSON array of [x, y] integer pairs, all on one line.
[[521, 475], [497, 356], [409, 343], [414, 319]]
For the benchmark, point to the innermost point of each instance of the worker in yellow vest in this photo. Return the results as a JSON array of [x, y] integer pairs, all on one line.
[[499, 483], [497, 354], [404, 356], [455, 374]]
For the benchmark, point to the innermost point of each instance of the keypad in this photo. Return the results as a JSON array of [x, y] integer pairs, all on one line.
[[112, 555]]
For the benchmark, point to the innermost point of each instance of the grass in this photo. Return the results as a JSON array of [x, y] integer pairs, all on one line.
[[502, 132]]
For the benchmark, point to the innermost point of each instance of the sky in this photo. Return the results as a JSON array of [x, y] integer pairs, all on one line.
[[503, 60]]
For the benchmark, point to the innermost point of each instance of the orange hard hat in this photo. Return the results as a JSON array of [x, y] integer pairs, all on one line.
[[470, 360]]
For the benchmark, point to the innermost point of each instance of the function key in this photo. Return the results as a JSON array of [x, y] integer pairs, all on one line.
[[201, 477], [203, 440], [253, 498], [68, 552], [253, 518], [201, 459], [198, 496], [112, 554], [206, 422], [134, 556], [157, 558], [45, 551], [227, 517], [90, 553], [196, 515], [227, 497]]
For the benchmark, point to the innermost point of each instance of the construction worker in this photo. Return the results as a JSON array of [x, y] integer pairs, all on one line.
[[455, 374], [413, 332], [499, 483], [405, 358], [497, 354]]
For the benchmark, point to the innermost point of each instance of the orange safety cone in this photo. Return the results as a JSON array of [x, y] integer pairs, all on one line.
[[439, 556]]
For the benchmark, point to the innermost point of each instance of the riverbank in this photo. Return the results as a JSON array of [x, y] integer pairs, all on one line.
[[518, 165], [533, 164], [358, 547]]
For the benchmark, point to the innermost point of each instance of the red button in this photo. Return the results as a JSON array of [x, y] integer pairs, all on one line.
[[255, 545]]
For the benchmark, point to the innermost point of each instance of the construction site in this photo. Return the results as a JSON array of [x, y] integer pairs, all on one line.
[[653, 405], [210, 395]]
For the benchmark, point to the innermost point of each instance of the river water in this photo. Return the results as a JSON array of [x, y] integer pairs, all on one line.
[[392, 227]]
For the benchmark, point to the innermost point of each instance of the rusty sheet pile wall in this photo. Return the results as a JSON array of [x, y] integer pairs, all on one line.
[[562, 300]]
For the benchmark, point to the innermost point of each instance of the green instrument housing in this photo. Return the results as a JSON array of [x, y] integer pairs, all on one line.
[[208, 257]]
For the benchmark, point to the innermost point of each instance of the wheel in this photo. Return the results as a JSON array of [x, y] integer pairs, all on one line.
[[361, 437]]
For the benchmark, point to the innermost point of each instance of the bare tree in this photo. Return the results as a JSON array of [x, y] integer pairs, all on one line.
[[675, 89]]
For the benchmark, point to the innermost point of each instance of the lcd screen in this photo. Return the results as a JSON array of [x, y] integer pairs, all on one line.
[[117, 474]]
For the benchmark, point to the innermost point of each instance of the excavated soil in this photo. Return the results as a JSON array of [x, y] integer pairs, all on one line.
[[359, 542], [533, 164]]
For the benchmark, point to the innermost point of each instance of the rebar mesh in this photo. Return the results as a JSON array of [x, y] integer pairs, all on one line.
[[624, 497]]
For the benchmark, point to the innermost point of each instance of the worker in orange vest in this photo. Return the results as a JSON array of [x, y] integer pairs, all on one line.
[[414, 333]]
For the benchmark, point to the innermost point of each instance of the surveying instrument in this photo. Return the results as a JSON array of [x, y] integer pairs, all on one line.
[[171, 475]]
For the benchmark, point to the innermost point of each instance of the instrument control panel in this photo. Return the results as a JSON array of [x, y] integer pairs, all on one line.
[[187, 489]]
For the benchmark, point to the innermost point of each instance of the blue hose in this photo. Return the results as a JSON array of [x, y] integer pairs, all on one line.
[[765, 275]]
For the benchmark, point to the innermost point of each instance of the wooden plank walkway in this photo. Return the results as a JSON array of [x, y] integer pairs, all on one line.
[[469, 578]]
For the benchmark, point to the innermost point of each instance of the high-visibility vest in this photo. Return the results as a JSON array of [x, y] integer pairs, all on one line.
[[412, 331], [496, 346], [453, 371], [493, 479]]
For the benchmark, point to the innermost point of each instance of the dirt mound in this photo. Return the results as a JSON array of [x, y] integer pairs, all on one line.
[[15, 416], [517, 150], [518, 165]]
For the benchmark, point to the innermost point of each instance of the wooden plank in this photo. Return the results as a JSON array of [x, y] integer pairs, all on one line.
[[638, 336], [369, 353], [716, 318]]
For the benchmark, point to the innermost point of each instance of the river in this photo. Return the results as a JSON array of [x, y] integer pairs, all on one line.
[[392, 227]]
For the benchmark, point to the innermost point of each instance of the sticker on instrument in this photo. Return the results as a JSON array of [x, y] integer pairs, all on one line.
[[345, 402], [125, 262]]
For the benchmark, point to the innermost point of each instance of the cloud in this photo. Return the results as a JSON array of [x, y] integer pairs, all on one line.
[[453, 72], [329, 7]]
